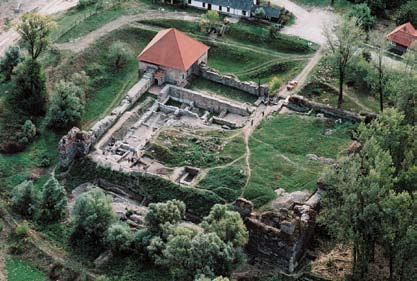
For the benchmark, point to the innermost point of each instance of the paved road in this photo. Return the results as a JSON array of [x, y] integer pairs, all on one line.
[[309, 22], [10, 37]]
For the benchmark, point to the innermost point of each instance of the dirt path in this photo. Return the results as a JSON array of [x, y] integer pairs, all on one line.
[[84, 42], [309, 22], [10, 37]]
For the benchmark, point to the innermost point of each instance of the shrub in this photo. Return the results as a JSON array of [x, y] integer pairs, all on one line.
[[275, 84], [85, 3], [22, 230], [119, 55], [53, 202], [28, 133], [119, 238], [260, 13], [159, 213], [24, 198], [10, 60], [93, 214], [66, 107]]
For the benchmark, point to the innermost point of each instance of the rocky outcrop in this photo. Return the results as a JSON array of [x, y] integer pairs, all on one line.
[[74, 145], [279, 237]]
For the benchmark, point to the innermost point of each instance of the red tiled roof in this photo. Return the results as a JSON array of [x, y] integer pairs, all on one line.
[[174, 49], [404, 35]]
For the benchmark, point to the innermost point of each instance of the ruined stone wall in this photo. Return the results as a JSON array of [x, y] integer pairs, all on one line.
[[302, 104], [203, 101], [231, 81], [75, 144]]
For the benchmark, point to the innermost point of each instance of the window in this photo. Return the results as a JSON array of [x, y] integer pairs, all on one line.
[[189, 1], [228, 9], [204, 5], [244, 13], [220, 8]]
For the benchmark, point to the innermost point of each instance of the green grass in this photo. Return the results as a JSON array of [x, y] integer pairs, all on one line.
[[202, 84], [22, 270], [176, 149], [278, 154], [227, 182]]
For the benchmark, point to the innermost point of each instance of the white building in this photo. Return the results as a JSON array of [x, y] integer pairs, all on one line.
[[241, 8]]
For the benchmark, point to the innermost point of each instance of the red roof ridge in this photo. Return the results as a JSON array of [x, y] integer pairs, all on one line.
[[404, 34]]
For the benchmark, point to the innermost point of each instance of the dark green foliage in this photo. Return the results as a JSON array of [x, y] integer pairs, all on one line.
[[10, 60], [119, 55], [28, 133], [23, 198], [159, 213], [227, 224], [84, 3], [408, 13], [29, 88], [66, 107], [93, 215], [156, 189], [53, 202], [363, 13], [119, 238]]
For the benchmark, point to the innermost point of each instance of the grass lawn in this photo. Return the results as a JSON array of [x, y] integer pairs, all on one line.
[[202, 84], [278, 154], [22, 270]]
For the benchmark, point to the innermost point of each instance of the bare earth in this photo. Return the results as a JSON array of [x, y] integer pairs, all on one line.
[[10, 37], [309, 22]]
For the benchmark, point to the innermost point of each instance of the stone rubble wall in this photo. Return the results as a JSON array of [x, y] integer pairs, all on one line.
[[231, 81], [75, 144], [302, 104], [203, 101]]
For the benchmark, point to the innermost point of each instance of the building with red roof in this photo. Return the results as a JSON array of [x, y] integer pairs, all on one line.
[[403, 36], [174, 55]]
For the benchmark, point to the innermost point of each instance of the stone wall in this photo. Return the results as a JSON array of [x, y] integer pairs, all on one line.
[[302, 104], [75, 144], [281, 236], [210, 103], [231, 81]]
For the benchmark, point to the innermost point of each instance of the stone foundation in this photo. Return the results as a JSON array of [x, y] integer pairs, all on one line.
[[231, 81]]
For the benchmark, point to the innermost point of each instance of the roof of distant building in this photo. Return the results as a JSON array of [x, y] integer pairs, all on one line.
[[270, 12], [174, 49], [404, 35], [244, 5]]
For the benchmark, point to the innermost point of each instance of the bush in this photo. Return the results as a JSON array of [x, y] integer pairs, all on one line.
[[159, 213], [53, 203], [28, 133], [93, 214], [1, 225], [66, 107], [119, 238], [275, 84], [10, 60], [23, 199], [22, 230], [119, 55]]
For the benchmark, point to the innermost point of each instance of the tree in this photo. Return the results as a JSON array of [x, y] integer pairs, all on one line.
[[228, 225], [260, 13], [66, 107], [28, 133], [408, 13], [24, 198], [274, 31], [343, 44], [363, 14], [381, 45], [159, 213], [119, 55], [53, 203], [93, 215], [404, 96], [119, 238], [35, 30], [10, 60], [29, 92]]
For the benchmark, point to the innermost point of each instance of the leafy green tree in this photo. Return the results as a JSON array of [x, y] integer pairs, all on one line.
[[35, 29], [28, 133], [29, 92], [93, 215], [408, 13], [343, 44], [119, 238], [119, 55], [159, 213], [228, 225], [10, 60], [53, 202], [363, 14], [66, 107], [23, 198]]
